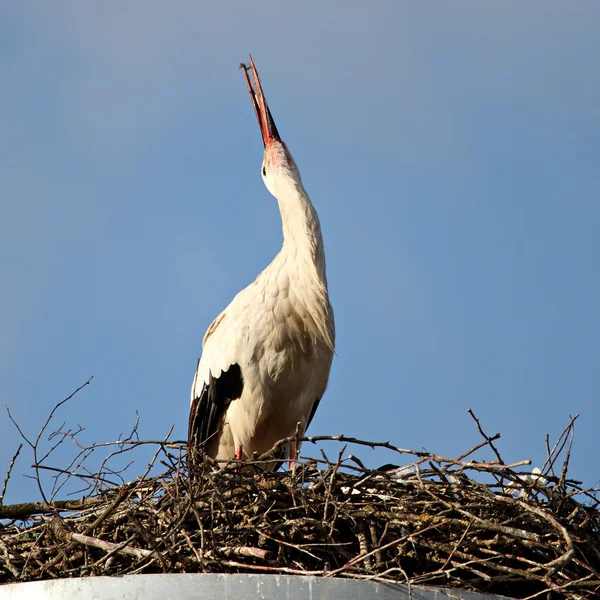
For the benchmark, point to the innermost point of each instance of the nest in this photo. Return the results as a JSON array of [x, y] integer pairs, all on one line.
[[457, 523]]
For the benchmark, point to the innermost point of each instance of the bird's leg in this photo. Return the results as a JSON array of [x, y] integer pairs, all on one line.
[[294, 447], [238, 453], [293, 456]]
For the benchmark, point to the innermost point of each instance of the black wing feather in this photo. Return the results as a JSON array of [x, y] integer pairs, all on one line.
[[208, 408]]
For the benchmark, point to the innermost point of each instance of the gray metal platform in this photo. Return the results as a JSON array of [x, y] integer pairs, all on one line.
[[217, 586]]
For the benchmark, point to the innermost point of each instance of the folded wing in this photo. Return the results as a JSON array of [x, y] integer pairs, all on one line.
[[218, 382]]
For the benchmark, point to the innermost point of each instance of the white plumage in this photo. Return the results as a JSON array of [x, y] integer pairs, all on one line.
[[266, 358]]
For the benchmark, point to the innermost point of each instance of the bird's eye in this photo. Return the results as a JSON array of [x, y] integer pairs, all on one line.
[[264, 171]]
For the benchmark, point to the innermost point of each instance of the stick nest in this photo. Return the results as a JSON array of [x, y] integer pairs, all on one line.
[[457, 523]]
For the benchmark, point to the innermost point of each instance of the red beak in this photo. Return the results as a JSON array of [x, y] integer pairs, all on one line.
[[261, 108]]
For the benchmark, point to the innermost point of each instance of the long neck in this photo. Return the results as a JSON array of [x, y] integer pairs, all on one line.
[[304, 257], [302, 238]]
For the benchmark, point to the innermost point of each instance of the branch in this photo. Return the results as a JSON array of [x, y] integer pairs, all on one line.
[[10, 468], [27, 509], [488, 439], [87, 540]]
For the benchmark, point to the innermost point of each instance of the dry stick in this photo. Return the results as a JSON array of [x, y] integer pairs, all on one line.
[[62, 533], [7, 561], [268, 569], [246, 551], [122, 548], [558, 446], [56, 487], [558, 588], [7, 477], [547, 461], [562, 560], [39, 436], [17, 426], [351, 440], [330, 487], [487, 438], [63, 436], [134, 430], [111, 507], [515, 557], [29, 555], [460, 541], [482, 524], [378, 553], [192, 547], [28, 509], [131, 447], [593, 572], [484, 466], [121, 495], [406, 578], [34, 445], [361, 556], [85, 451], [520, 573], [158, 451], [173, 444], [563, 471], [41, 432], [364, 548], [495, 437], [381, 578], [75, 474], [149, 540], [299, 547], [144, 566]]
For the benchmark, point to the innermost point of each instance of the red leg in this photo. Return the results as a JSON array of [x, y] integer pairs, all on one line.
[[293, 456], [238, 453]]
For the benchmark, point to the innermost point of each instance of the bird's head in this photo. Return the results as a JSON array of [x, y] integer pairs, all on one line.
[[278, 168]]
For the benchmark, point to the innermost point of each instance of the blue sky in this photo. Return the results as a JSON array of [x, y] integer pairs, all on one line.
[[451, 150]]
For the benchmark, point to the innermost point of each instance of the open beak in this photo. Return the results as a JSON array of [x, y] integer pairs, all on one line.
[[261, 108]]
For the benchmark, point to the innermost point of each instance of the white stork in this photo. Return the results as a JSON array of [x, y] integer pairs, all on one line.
[[266, 358]]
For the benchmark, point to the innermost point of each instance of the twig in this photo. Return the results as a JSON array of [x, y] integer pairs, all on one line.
[[28, 509], [8, 472], [488, 439], [558, 446], [246, 551], [34, 445], [565, 465], [87, 540]]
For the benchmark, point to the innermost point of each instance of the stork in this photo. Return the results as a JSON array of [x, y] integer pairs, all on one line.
[[266, 358]]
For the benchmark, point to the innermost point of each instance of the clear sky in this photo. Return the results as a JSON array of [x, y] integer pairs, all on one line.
[[451, 149]]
